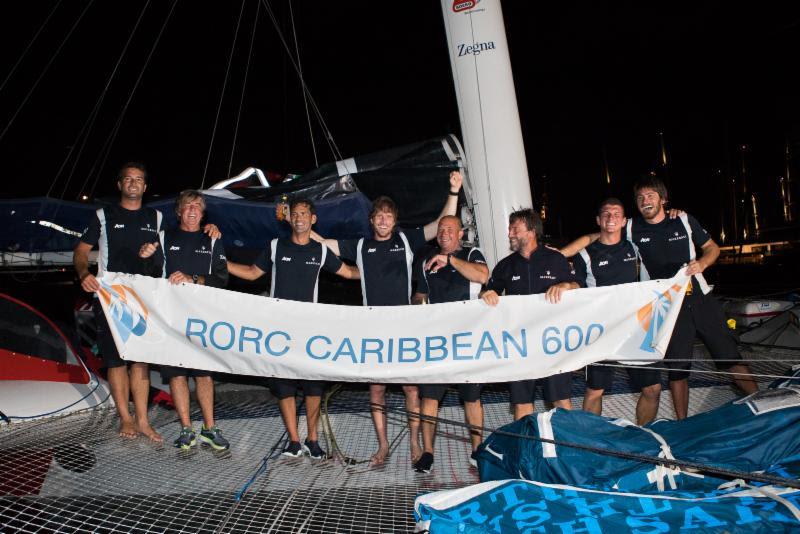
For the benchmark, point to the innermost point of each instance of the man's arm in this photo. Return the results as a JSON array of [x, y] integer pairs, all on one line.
[[554, 292], [332, 244], [80, 259], [710, 255], [245, 272], [472, 271], [349, 272], [582, 242], [450, 206]]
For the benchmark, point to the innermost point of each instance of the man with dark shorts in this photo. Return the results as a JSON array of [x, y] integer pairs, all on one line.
[[665, 246], [119, 231], [450, 274], [531, 269], [385, 262], [189, 256], [609, 261], [295, 263]]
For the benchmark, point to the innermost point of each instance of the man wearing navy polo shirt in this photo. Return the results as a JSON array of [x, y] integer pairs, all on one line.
[[666, 245], [385, 263], [295, 263], [609, 261], [531, 269], [450, 274]]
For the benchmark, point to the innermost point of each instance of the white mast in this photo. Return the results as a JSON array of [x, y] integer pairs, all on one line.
[[497, 173]]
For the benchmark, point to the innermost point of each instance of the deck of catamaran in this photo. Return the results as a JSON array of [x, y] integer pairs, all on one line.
[[75, 474]]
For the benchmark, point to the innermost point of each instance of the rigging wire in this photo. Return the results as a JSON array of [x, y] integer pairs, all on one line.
[[303, 84], [112, 137], [222, 95], [30, 44], [89, 124], [44, 71], [244, 87], [317, 113]]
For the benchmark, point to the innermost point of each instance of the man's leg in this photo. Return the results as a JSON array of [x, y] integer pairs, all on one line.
[[121, 393], [413, 407], [179, 387], [312, 415], [473, 416], [599, 378], [522, 409], [140, 389], [473, 412], [593, 401], [744, 380], [558, 389], [377, 399], [647, 406], [205, 398], [680, 396], [520, 395], [430, 408], [288, 409]]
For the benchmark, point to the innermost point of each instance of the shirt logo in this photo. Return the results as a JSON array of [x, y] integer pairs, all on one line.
[[515, 278], [285, 258], [371, 250], [601, 263], [119, 226], [644, 240], [173, 247]]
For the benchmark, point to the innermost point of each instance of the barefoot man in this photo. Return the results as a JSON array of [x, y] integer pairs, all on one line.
[[118, 232]]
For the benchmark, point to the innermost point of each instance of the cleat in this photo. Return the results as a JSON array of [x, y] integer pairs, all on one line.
[[314, 450], [213, 438], [293, 450], [186, 439], [424, 464]]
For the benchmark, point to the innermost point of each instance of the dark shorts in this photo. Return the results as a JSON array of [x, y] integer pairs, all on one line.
[[168, 372], [601, 377], [556, 387], [105, 341], [283, 388], [468, 392], [700, 316]]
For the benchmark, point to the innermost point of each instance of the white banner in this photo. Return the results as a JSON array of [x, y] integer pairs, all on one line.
[[523, 337]]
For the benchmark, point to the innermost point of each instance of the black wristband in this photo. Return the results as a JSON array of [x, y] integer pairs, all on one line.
[[448, 260], [454, 194]]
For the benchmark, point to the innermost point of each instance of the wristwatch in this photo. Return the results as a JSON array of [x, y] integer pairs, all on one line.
[[194, 278]]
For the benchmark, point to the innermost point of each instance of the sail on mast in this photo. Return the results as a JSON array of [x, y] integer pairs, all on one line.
[[497, 172]]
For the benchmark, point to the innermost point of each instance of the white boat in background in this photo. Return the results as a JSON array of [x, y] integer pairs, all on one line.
[[41, 372]]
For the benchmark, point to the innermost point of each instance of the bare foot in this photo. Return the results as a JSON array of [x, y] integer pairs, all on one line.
[[380, 457], [416, 452], [127, 429], [148, 431]]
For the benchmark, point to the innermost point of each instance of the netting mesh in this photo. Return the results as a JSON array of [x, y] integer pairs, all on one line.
[[74, 473]]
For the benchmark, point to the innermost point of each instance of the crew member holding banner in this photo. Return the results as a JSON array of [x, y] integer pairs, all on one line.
[[118, 231], [451, 274], [189, 256], [667, 244], [295, 263], [531, 269], [609, 261], [385, 262]]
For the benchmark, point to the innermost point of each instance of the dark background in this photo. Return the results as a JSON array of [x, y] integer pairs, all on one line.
[[590, 77]]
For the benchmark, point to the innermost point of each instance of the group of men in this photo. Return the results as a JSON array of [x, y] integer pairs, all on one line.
[[655, 245]]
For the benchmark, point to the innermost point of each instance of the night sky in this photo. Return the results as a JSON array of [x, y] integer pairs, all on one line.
[[590, 77]]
